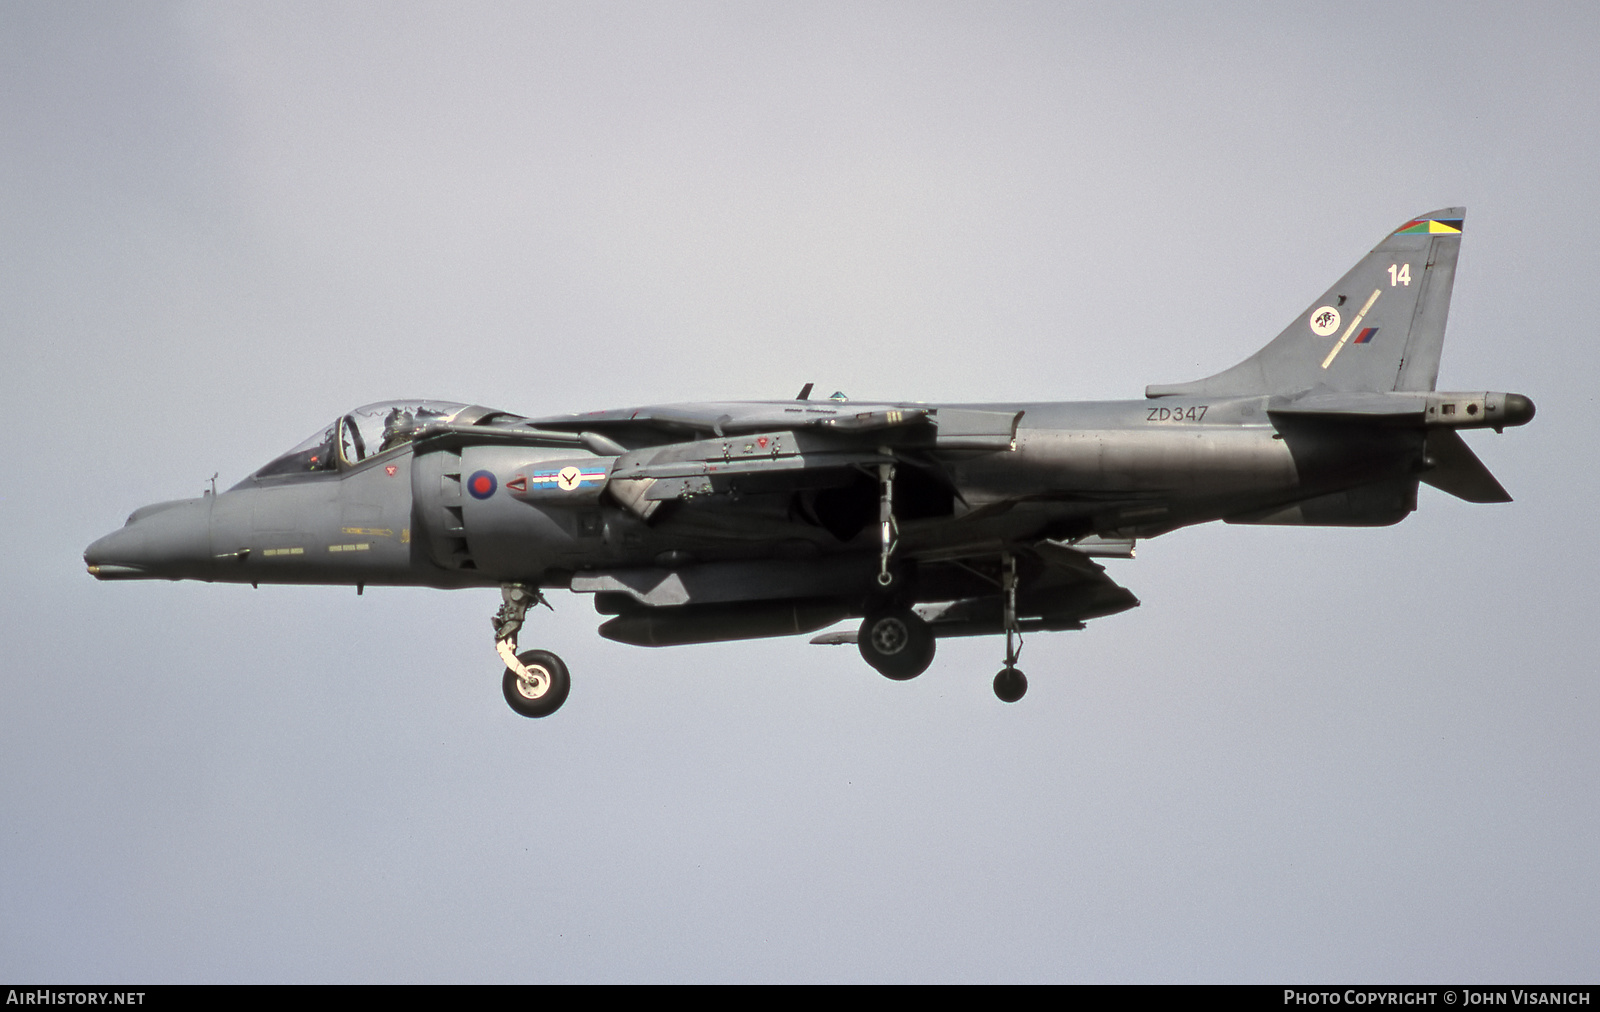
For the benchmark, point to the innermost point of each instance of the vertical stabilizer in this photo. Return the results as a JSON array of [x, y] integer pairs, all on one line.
[[1380, 328]]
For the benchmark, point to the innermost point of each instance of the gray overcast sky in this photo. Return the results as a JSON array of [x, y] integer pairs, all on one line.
[[1312, 754]]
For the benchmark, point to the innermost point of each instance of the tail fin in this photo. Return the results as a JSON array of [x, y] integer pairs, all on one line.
[[1380, 328]]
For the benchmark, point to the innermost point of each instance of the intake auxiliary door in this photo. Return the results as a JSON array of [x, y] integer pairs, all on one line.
[[436, 496]]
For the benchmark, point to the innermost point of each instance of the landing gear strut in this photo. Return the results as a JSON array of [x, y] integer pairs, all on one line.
[[888, 528], [1010, 684], [536, 682]]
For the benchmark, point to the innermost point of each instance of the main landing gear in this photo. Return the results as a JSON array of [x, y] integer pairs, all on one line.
[[897, 643], [536, 682]]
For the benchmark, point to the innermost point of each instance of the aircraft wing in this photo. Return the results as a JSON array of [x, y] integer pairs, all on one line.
[[683, 451], [721, 418], [951, 428], [783, 460]]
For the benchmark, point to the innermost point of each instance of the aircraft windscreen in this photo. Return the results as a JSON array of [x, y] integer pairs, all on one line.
[[365, 432], [314, 454]]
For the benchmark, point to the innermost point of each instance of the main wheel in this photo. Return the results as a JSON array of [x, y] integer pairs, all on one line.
[[1010, 685], [898, 644], [545, 698]]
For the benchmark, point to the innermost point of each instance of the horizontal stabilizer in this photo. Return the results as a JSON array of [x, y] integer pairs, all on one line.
[[1457, 470], [1370, 407]]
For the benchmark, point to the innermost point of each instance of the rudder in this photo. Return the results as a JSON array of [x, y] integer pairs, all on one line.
[[1380, 328]]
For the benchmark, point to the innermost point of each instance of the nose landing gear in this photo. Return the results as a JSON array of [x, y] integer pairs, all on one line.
[[536, 682]]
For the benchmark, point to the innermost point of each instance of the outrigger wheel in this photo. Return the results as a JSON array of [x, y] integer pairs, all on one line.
[[898, 644], [1010, 684], [544, 692]]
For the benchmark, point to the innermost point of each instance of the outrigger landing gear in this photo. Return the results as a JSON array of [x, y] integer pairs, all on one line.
[[536, 682], [1010, 684]]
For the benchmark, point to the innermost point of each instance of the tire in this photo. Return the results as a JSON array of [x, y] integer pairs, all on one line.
[[547, 702], [1010, 685], [898, 644]]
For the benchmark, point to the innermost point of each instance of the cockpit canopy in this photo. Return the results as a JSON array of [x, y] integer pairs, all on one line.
[[361, 434]]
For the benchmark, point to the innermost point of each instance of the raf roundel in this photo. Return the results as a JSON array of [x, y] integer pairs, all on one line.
[[482, 484]]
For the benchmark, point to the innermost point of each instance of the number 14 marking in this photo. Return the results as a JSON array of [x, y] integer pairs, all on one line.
[[1399, 274]]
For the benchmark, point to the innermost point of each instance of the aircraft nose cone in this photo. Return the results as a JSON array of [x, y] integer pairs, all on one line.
[[172, 542], [1518, 410]]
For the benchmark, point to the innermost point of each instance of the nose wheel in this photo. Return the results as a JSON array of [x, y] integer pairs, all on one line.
[[536, 682], [541, 691]]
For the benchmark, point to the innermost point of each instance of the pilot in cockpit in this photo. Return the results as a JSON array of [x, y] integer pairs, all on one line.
[[398, 428]]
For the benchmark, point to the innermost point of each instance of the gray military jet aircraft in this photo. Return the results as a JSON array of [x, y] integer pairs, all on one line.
[[703, 522]]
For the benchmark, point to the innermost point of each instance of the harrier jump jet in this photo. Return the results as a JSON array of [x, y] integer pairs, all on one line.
[[693, 523]]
